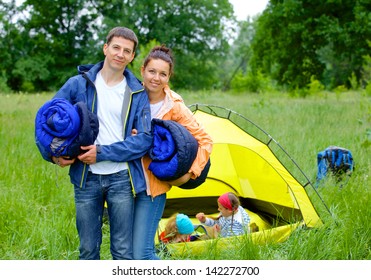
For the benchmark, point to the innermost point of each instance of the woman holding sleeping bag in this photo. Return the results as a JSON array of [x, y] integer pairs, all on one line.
[[166, 105]]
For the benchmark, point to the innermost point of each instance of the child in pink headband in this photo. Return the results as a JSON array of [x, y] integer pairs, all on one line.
[[233, 219]]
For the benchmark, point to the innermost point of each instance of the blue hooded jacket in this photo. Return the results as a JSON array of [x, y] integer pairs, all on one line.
[[81, 88]]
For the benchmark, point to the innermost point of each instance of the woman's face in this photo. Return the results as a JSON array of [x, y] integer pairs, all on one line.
[[155, 75]]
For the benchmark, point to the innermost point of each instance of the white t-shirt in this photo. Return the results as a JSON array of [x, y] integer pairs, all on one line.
[[155, 108], [110, 100]]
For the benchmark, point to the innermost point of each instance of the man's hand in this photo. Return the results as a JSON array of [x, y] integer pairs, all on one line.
[[90, 156]]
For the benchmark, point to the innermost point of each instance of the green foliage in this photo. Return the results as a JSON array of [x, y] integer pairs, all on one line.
[[340, 89], [250, 82], [366, 74], [33, 71], [299, 39], [141, 54], [239, 55], [3, 86], [71, 34], [365, 120], [315, 86], [45, 44], [194, 30], [353, 82], [368, 89]]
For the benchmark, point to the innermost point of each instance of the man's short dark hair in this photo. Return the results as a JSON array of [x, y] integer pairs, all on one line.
[[123, 32]]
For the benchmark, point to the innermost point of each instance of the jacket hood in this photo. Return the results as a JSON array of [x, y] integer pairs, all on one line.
[[172, 94]]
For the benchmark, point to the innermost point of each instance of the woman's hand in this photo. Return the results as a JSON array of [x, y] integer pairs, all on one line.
[[180, 181], [63, 161]]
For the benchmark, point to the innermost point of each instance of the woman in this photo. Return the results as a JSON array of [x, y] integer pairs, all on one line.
[[167, 105]]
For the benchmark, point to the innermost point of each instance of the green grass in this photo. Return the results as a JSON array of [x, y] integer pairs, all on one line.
[[37, 219]]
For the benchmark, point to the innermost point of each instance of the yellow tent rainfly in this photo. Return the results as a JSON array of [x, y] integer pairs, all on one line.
[[248, 162]]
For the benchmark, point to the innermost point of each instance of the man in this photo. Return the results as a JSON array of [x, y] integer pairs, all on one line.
[[109, 171]]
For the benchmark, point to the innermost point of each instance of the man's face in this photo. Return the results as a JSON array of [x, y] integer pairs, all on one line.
[[119, 53]]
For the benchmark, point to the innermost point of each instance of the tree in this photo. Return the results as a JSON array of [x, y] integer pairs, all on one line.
[[196, 31], [298, 40], [60, 32], [56, 36], [46, 40], [11, 44], [240, 52]]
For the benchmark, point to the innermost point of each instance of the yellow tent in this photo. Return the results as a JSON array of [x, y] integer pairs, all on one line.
[[245, 161]]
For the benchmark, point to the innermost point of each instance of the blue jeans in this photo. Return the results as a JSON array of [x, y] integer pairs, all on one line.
[[116, 190], [147, 215]]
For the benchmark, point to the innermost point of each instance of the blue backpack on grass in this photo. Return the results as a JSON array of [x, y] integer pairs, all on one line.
[[335, 160]]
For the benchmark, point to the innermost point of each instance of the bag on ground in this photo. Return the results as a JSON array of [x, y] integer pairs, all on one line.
[[336, 161]]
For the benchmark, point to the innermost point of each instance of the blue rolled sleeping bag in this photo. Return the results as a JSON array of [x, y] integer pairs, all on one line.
[[173, 152], [61, 128]]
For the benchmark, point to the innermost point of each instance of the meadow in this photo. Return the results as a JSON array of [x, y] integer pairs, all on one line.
[[37, 220]]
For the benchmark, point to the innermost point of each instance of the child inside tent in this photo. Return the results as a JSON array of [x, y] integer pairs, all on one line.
[[232, 220], [178, 229]]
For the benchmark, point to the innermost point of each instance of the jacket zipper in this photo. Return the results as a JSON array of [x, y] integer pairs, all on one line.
[[92, 109], [126, 117]]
